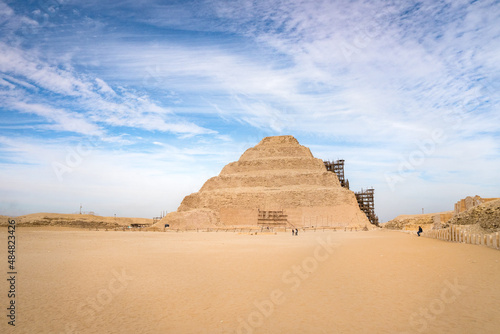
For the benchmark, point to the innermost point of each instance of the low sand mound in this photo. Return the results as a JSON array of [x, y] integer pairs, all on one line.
[[403, 222], [412, 222], [4, 220], [74, 220], [486, 216]]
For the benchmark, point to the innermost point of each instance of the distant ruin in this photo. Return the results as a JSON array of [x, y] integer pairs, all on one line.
[[277, 183], [471, 210], [469, 202]]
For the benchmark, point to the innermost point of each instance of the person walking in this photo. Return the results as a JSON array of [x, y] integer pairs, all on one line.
[[419, 230]]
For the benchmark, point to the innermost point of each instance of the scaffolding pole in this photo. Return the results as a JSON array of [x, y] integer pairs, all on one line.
[[337, 167], [367, 204]]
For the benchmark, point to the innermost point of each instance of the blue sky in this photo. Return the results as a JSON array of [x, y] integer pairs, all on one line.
[[126, 107]]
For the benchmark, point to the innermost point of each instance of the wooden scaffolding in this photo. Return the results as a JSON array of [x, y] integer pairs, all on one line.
[[367, 204], [338, 168]]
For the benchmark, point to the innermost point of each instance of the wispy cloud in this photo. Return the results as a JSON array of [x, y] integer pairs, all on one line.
[[94, 99], [368, 81], [62, 120]]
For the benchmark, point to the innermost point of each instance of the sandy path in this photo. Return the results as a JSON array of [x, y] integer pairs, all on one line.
[[317, 282]]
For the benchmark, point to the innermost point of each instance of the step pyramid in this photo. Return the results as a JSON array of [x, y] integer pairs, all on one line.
[[275, 183]]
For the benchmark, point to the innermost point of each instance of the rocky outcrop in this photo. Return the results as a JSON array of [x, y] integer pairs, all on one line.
[[482, 215], [412, 222], [278, 174], [486, 216]]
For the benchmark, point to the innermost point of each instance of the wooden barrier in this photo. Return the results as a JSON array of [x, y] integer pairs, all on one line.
[[462, 235]]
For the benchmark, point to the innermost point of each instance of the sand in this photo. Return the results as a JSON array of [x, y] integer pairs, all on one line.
[[77, 281]]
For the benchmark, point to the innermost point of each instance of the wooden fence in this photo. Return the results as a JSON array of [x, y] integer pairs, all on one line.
[[463, 235]]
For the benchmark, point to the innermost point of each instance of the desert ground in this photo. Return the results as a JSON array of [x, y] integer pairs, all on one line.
[[80, 281]]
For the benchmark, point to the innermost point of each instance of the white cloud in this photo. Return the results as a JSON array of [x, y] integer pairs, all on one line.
[[127, 109], [104, 87], [371, 79], [62, 120]]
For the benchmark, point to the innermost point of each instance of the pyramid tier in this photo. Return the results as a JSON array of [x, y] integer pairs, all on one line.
[[269, 149], [264, 198], [269, 164], [272, 179]]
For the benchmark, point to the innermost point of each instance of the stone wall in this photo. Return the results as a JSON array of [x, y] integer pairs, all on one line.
[[470, 202]]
